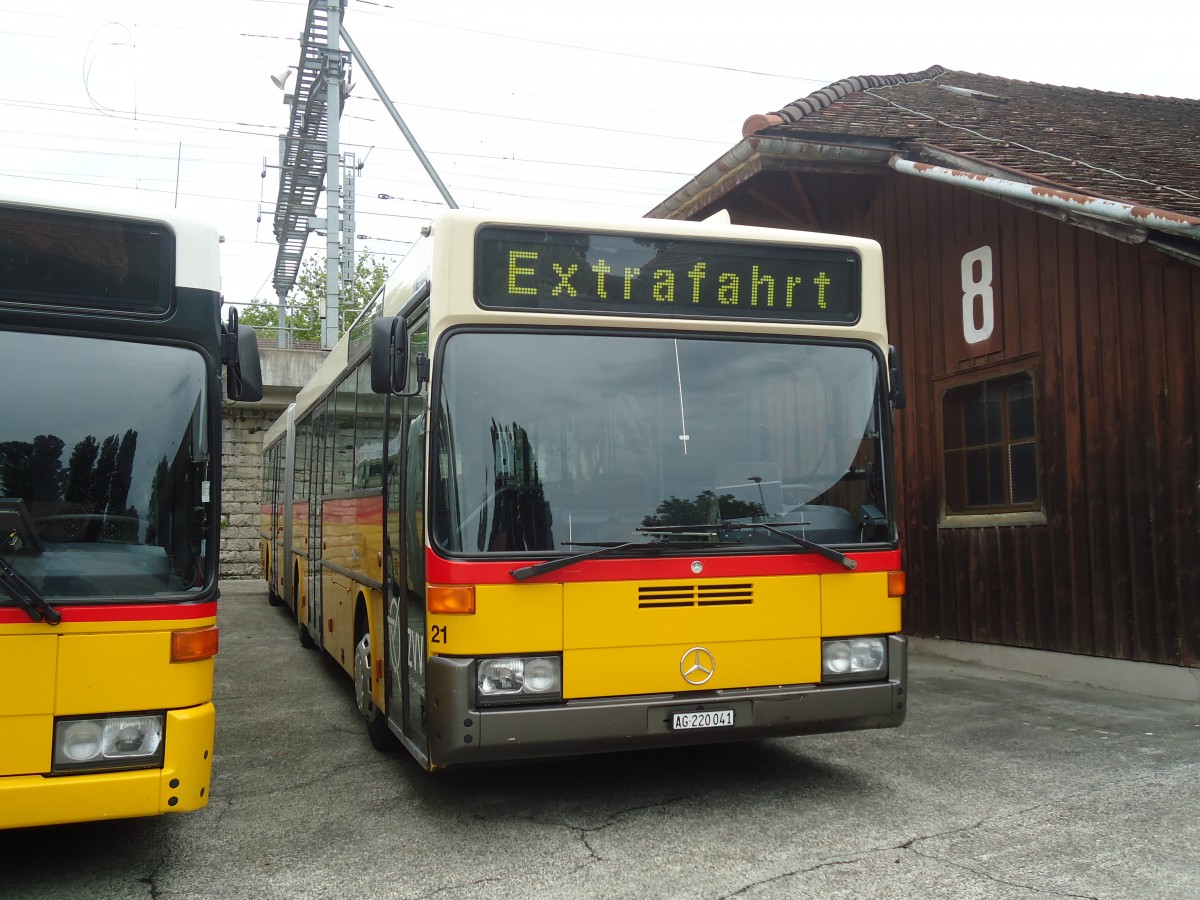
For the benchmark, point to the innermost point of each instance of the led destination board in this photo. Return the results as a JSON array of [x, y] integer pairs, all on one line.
[[50, 258], [646, 275]]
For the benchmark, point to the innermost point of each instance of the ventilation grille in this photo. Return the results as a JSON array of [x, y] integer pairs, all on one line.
[[662, 596]]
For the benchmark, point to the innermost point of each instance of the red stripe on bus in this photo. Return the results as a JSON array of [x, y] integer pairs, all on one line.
[[124, 612], [461, 571], [353, 511]]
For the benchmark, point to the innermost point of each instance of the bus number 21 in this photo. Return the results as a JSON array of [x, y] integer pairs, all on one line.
[[437, 634]]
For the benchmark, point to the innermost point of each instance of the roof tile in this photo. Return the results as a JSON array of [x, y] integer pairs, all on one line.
[[1129, 147]]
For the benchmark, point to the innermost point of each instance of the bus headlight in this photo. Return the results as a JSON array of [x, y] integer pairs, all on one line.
[[110, 742], [853, 659], [519, 678]]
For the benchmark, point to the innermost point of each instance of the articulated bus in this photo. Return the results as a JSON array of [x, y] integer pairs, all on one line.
[[579, 486], [110, 493]]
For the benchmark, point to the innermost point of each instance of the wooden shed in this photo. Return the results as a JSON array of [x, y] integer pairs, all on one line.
[[1042, 250]]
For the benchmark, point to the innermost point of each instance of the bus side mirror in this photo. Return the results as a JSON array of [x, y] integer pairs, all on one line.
[[896, 379], [389, 355], [243, 370]]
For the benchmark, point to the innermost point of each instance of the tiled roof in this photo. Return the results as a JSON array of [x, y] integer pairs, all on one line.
[[1132, 148]]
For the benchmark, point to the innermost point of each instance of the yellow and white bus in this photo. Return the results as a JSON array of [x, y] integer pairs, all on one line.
[[110, 492], [577, 486]]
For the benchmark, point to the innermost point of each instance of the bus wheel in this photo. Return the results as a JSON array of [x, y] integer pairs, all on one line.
[[294, 603], [306, 639], [273, 598], [377, 728]]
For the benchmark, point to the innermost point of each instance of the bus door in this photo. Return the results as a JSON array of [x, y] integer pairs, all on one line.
[[404, 525], [271, 496], [277, 543], [284, 494], [318, 466]]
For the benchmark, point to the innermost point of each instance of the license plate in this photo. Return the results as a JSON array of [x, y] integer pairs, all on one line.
[[709, 718]]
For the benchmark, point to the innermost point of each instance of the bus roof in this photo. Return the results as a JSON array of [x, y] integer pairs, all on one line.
[[278, 429]]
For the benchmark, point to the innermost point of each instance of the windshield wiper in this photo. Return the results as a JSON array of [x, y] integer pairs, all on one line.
[[561, 562], [26, 595], [827, 552]]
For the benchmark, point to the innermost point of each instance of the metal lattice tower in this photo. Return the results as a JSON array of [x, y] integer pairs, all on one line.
[[305, 153], [309, 161], [349, 173]]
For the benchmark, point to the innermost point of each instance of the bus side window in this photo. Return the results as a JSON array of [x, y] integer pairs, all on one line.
[[414, 506], [443, 522]]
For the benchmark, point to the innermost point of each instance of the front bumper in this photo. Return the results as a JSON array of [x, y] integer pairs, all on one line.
[[461, 734], [181, 784]]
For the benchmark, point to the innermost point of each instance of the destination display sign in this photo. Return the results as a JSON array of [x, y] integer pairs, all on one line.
[[62, 259], [659, 275]]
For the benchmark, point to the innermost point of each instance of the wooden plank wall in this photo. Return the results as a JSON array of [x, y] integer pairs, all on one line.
[[1111, 333]]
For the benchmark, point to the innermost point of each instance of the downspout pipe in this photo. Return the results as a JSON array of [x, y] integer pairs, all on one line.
[[1113, 210]]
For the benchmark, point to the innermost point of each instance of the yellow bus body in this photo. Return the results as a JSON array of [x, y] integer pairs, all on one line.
[[110, 505], [418, 619], [611, 646], [101, 668]]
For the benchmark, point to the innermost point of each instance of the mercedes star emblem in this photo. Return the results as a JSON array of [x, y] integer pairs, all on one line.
[[697, 666]]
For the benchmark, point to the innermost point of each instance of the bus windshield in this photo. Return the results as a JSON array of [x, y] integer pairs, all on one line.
[[103, 467], [557, 442]]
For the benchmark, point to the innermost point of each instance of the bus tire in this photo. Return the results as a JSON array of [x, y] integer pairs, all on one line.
[[294, 601], [377, 727], [306, 638], [273, 598]]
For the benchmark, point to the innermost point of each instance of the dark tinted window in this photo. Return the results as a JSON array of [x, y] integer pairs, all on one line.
[[113, 472], [989, 437], [85, 262]]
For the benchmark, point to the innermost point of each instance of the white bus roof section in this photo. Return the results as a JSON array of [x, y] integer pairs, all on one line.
[[197, 243], [452, 241]]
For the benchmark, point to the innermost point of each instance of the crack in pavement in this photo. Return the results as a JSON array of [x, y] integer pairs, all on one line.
[[910, 845], [584, 832], [986, 822], [151, 880]]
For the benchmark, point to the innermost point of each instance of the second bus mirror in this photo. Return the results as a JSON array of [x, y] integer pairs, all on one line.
[[389, 355], [243, 374], [896, 377]]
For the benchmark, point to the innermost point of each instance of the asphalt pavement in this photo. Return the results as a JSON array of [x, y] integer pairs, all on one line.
[[997, 786]]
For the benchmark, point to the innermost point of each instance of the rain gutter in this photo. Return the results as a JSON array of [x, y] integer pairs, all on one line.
[[755, 153], [1083, 204]]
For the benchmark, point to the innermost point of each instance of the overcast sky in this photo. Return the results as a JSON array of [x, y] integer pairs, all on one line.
[[543, 104]]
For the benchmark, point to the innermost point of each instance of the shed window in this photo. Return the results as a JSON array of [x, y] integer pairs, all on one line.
[[989, 437]]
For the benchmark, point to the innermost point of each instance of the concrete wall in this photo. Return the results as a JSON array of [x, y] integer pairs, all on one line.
[[284, 373], [241, 487]]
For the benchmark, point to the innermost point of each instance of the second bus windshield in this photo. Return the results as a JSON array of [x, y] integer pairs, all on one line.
[[103, 467], [550, 441]]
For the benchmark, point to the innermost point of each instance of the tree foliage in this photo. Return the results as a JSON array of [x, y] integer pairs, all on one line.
[[307, 300], [707, 508]]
